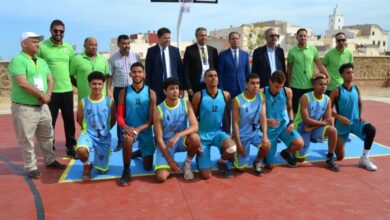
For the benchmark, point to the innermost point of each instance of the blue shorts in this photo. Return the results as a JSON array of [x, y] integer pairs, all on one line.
[[101, 148], [160, 162], [355, 128], [146, 142], [241, 161], [274, 135], [210, 139], [318, 133]]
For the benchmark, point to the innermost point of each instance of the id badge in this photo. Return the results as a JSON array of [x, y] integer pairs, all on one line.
[[204, 68], [38, 83]]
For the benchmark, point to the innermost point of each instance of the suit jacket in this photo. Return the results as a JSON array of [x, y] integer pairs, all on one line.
[[230, 77], [154, 69], [261, 66], [192, 65]]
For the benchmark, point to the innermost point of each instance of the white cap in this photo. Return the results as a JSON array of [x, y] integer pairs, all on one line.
[[26, 35]]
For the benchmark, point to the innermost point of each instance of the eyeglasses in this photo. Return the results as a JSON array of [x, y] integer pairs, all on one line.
[[58, 31], [341, 40], [274, 35]]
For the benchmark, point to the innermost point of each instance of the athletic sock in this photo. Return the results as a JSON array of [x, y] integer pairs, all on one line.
[[329, 155], [126, 166], [365, 153], [87, 162], [222, 160], [188, 159]]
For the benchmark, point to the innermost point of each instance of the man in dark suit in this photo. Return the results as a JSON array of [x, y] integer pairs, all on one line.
[[233, 66], [198, 58], [268, 58], [162, 61]]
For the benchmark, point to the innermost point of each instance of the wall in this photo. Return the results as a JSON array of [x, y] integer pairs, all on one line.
[[369, 72]]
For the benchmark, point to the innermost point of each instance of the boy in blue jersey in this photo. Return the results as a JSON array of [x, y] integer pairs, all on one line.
[[280, 120], [314, 120], [136, 104], [212, 106], [248, 111], [172, 134], [349, 117], [96, 116]]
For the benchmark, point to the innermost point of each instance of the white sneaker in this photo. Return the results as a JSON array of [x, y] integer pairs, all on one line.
[[366, 163], [188, 175]]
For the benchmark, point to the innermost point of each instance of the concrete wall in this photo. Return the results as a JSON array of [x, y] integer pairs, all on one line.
[[369, 72]]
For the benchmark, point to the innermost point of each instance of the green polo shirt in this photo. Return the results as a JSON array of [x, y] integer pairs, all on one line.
[[81, 66], [22, 64], [58, 58], [302, 60], [333, 59]]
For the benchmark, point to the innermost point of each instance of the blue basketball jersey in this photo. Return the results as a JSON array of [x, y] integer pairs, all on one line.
[[250, 110], [211, 111], [347, 103], [173, 119], [316, 108], [276, 106], [97, 117], [137, 106]]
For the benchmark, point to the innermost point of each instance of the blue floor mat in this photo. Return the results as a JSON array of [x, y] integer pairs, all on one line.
[[317, 152]]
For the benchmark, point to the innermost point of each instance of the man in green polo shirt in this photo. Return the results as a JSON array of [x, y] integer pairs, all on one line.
[[83, 64], [336, 57], [31, 90], [57, 54], [300, 67]]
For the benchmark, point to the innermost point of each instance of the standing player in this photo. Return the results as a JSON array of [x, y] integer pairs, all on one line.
[[212, 106], [96, 116], [280, 120], [135, 112], [314, 120], [172, 133], [248, 111], [349, 117]]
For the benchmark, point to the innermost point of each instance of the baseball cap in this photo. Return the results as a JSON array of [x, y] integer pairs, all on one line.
[[26, 35]]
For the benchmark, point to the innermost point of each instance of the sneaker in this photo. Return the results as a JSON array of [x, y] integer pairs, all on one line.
[[125, 178], [135, 154], [71, 153], [331, 164], [87, 172], [188, 175], [118, 147], [258, 167], [56, 165], [223, 167], [366, 163], [291, 162], [34, 174], [101, 172]]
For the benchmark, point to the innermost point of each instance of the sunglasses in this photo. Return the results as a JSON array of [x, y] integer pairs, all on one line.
[[341, 40], [274, 35], [58, 31]]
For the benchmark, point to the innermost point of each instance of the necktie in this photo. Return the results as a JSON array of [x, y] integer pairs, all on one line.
[[203, 56], [235, 58], [164, 64]]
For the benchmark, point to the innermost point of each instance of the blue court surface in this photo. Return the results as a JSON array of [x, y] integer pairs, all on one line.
[[317, 152]]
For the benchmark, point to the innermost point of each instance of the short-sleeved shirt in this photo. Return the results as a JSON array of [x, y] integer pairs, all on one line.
[[35, 72], [81, 66], [58, 58], [120, 67], [333, 59], [302, 60]]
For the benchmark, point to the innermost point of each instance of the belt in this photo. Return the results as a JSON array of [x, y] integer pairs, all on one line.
[[27, 104]]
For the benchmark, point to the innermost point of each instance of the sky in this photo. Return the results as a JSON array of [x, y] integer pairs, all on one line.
[[106, 19]]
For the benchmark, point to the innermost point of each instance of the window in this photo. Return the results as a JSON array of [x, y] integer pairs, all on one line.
[[384, 43], [379, 43], [373, 42], [373, 33]]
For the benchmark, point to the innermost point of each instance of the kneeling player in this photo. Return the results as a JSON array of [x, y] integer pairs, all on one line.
[[172, 134], [248, 111], [96, 116], [314, 120], [349, 117]]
